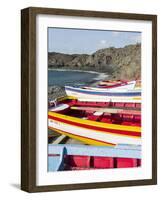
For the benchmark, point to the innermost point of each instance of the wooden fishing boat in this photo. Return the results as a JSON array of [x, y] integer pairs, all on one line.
[[84, 157], [104, 95], [99, 103], [112, 86], [112, 81], [97, 125]]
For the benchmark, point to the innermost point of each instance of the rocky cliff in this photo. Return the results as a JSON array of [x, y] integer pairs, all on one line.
[[120, 63]]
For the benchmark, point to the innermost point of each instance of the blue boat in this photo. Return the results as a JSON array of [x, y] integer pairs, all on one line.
[[78, 157]]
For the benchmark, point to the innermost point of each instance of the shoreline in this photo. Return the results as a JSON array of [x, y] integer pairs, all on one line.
[[74, 70], [55, 91], [101, 75]]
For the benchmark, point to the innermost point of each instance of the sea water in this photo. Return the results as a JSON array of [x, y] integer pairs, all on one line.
[[72, 77]]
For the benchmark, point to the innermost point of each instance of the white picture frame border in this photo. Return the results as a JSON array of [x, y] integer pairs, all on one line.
[[73, 177]]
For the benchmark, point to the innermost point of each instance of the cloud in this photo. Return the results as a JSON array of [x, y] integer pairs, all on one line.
[[103, 43], [116, 33], [137, 38]]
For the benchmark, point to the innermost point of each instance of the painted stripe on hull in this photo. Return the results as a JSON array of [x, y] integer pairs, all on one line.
[[86, 97], [93, 134], [102, 93], [95, 123], [105, 99], [106, 130], [86, 140]]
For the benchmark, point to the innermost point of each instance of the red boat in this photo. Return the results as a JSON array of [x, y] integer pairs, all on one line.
[[96, 123], [84, 157]]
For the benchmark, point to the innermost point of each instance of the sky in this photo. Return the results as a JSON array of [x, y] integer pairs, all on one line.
[[79, 41]]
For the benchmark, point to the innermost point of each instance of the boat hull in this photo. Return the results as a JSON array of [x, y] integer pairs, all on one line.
[[92, 132], [93, 95], [84, 157]]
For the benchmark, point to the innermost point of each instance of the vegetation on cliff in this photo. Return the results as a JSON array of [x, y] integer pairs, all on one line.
[[119, 63]]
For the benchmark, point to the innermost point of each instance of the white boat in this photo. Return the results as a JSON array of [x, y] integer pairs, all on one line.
[[121, 95]]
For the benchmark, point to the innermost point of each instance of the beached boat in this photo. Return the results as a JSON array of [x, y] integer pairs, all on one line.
[[97, 125], [105, 96], [121, 86], [84, 157], [114, 86], [111, 82], [74, 101]]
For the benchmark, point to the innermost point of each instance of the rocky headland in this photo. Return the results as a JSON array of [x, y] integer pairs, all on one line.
[[119, 63]]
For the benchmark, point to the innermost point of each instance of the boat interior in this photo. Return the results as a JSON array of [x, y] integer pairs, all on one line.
[[100, 111]]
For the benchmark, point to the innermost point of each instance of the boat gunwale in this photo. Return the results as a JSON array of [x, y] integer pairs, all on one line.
[[104, 93], [136, 135], [95, 123], [88, 140]]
